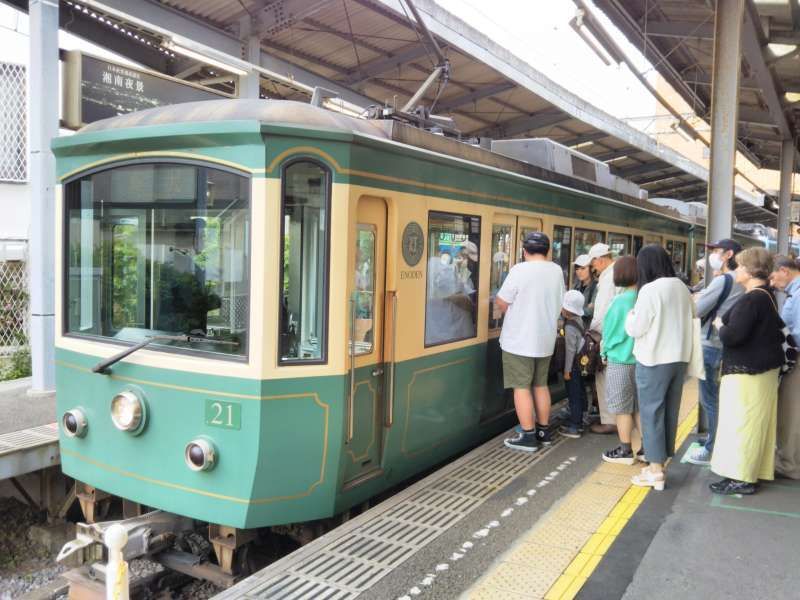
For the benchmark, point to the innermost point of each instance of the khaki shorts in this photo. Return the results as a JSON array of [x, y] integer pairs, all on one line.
[[524, 372]]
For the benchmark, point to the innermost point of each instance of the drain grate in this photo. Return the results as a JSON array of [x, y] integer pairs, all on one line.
[[352, 558]]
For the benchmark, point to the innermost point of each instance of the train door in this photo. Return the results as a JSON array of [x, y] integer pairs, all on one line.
[[526, 225], [364, 411], [504, 238]]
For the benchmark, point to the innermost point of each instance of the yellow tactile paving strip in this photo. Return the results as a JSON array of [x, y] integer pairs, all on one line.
[[555, 558]]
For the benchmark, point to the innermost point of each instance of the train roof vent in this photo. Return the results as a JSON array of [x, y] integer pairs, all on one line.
[[550, 155]]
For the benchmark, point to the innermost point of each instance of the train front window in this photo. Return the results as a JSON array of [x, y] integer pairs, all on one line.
[[159, 249]]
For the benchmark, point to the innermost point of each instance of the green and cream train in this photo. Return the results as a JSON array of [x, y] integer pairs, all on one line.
[[309, 298]]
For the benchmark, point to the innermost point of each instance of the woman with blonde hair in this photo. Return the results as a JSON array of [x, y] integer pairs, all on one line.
[[752, 354]]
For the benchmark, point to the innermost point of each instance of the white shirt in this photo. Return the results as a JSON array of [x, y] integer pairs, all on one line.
[[661, 323], [606, 290], [534, 291]]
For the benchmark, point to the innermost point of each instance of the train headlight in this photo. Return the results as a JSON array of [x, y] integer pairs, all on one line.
[[128, 412], [74, 423], [200, 455]]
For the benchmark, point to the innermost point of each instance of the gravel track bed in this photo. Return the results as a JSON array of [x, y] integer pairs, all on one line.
[[24, 565]]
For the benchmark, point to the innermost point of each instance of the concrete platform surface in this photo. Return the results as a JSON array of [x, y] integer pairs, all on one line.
[[689, 543], [19, 411]]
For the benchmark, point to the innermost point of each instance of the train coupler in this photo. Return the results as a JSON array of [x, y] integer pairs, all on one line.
[[149, 533]]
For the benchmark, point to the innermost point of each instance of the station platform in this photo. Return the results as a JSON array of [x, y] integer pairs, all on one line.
[[28, 434], [555, 525]]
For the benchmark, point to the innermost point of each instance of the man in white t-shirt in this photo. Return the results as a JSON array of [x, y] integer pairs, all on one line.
[[531, 298]]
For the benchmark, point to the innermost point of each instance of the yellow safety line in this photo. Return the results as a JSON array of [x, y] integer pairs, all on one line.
[[567, 546], [583, 565]]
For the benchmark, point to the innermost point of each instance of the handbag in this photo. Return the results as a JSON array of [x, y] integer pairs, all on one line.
[[697, 367], [789, 343]]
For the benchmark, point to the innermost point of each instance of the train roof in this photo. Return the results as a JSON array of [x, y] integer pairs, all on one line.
[[285, 112], [304, 115]]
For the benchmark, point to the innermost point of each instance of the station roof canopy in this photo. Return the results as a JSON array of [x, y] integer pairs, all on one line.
[[371, 52], [678, 38]]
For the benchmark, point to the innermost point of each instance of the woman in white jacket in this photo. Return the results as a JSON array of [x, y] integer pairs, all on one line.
[[661, 325]]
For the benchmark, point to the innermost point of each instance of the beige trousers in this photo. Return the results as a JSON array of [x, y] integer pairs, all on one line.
[[606, 418], [787, 458]]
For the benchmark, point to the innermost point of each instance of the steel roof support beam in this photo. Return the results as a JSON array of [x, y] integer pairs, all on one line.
[[671, 29], [649, 167], [728, 19], [479, 94], [582, 139], [524, 124], [752, 50], [615, 152], [745, 83], [785, 197], [684, 187], [249, 85], [666, 176], [378, 66], [167, 22]]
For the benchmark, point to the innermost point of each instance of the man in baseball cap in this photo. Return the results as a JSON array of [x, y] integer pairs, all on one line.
[[602, 262], [717, 298], [587, 285], [727, 246], [530, 297]]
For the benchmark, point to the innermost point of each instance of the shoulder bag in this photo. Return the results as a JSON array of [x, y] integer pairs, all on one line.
[[789, 343]]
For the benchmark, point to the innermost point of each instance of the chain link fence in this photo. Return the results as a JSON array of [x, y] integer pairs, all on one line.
[[13, 124], [13, 307]]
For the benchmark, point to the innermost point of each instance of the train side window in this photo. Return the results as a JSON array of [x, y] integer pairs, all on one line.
[[619, 243], [502, 249], [562, 249], [638, 243], [586, 238], [304, 262], [677, 251], [364, 293], [452, 287]]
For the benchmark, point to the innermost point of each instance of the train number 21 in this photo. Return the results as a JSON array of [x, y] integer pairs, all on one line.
[[227, 415]]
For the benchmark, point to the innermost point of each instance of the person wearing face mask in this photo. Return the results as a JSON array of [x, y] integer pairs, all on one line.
[[715, 300]]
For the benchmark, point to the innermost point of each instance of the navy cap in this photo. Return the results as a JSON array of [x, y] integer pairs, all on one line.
[[727, 244], [536, 238]]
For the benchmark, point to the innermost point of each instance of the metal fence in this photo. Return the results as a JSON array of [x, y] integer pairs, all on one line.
[[13, 124], [13, 306]]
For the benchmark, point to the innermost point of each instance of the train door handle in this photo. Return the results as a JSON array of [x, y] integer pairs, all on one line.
[[377, 372]]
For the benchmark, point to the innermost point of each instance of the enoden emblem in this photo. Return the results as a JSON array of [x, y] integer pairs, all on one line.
[[413, 243]]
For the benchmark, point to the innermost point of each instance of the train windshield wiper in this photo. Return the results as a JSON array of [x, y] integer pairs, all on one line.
[[194, 336]]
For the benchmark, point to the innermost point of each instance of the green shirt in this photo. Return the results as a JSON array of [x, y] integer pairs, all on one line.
[[617, 345]]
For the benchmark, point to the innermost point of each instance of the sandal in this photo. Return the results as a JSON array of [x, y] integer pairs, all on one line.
[[649, 479]]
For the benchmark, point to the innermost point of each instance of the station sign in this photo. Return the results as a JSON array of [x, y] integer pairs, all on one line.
[[96, 88]]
